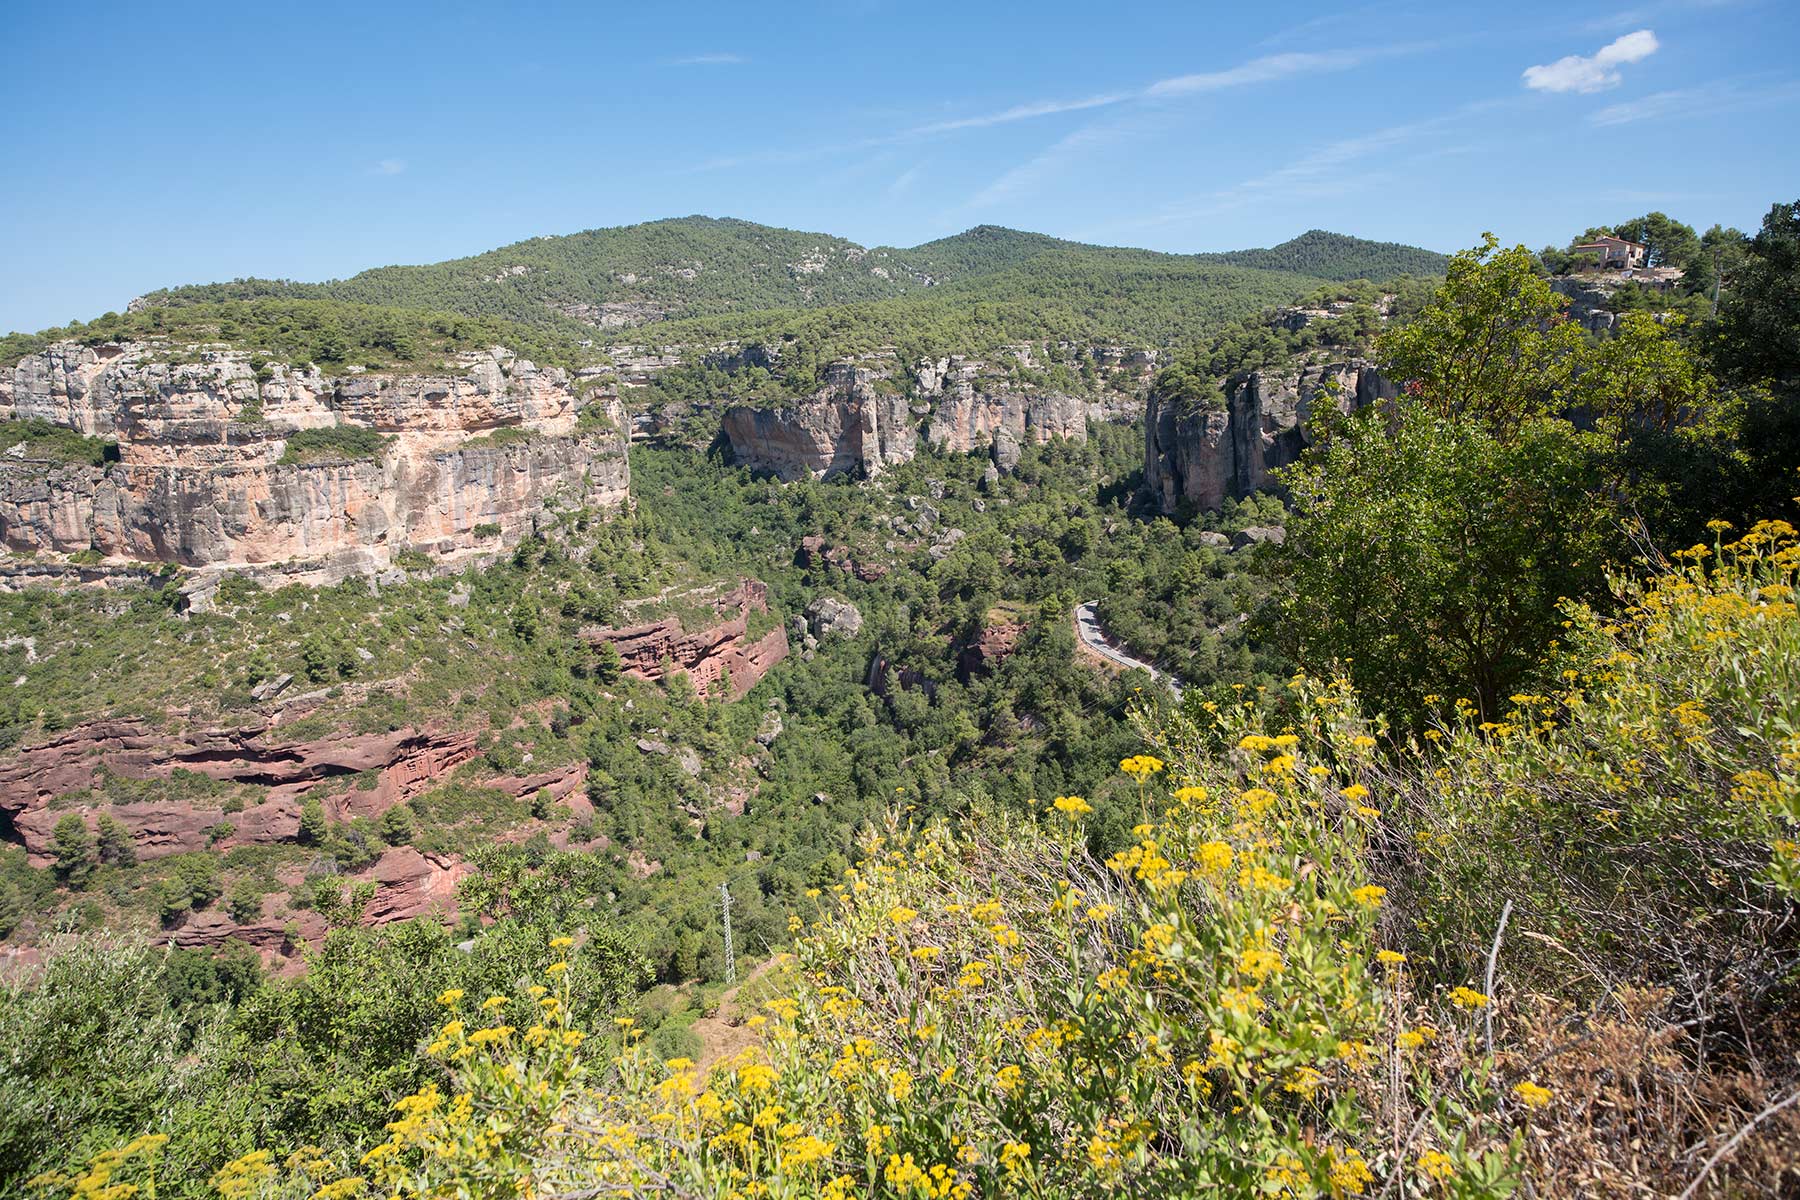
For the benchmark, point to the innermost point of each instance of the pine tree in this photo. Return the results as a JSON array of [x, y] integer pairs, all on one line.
[[73, 847]]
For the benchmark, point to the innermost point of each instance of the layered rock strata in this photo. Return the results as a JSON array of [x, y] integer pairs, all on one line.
[[710, 656], [1195, 456], [65, 773], [470, 460]]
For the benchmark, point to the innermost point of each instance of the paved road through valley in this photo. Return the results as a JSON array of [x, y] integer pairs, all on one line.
[[1093, 636]]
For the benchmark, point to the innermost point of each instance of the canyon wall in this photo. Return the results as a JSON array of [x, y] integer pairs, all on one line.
[[849, 426], [471, 457], [1198, 455], [873, 412]]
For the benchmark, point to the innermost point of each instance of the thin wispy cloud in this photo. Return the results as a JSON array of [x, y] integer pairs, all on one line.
[[1266, 69], [1020, 112], [1642, 14], [707, 60], [1258, 70], [903, 181], [1709, 99], [390, 166], [1594, 72], [1029, 176], [1321, 172]]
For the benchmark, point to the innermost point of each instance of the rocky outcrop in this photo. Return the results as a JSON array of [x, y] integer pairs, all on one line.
[[975, 407], [868, 414], [1590, 295], [995, 645], [408, 884], [470, 461], [707, 656], [41, 782], [1195, 456], [829, 615], [850, 426]]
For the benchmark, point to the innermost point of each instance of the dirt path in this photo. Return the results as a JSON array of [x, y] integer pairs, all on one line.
[[724, 1034]]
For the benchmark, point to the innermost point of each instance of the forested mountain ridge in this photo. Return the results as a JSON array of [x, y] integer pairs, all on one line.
[[1336, 257], [706, 267]]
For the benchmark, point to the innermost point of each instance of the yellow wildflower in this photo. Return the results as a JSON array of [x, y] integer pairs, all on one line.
[[1531, 1094]]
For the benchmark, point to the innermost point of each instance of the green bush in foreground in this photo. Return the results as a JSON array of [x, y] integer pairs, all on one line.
[[1250, 998]]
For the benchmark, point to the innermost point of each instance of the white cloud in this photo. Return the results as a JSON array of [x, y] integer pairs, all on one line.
[[1595, 72], [391, 166], [903, 181], [708, 60]]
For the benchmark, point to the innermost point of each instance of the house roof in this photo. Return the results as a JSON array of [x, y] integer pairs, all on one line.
[[1605, 240]]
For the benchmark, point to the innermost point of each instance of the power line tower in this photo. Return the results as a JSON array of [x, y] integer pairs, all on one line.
[[730, 954]]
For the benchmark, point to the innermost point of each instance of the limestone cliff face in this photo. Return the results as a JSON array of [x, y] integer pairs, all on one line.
[[976, 408], [199, 479], [849, 426], [869, 413], [1199, 456]]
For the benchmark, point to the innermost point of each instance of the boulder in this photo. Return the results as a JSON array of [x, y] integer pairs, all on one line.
[[829, 615]]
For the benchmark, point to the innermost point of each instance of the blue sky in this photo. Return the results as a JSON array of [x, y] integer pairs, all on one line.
[[153, 144]]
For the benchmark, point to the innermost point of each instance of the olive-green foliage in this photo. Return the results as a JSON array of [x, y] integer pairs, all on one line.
[[1195, 377], [1333, 256], [329, 333], [334, 443], [1433, 541], [1428, 554], [1641, 811], [191, 884], [1490, 344], [698, 267], [1180, 600], [74, 848], [113, 842], [110, 1037], [1155, 304], [1759, 349], [40, 440]]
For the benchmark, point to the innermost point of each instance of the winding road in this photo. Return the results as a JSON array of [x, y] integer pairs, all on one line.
[[1093, 636]]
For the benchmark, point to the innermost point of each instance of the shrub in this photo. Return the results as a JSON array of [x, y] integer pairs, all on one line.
[[334, 443]]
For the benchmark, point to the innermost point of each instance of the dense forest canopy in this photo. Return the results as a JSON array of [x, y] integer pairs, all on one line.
[[699, 267]]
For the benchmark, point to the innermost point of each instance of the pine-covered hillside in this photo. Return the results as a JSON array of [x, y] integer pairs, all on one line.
[[698, 267]]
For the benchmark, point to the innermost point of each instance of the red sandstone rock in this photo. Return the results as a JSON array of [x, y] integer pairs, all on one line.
[[708, 654], [990, 649], [410, 884], [409, 760]]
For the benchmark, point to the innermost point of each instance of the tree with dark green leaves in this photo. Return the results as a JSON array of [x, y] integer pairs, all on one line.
[[1758, 349], [1667, 242], [314, 828], [114, 842], [1494, 344], [1432, 543], [73, 847]]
